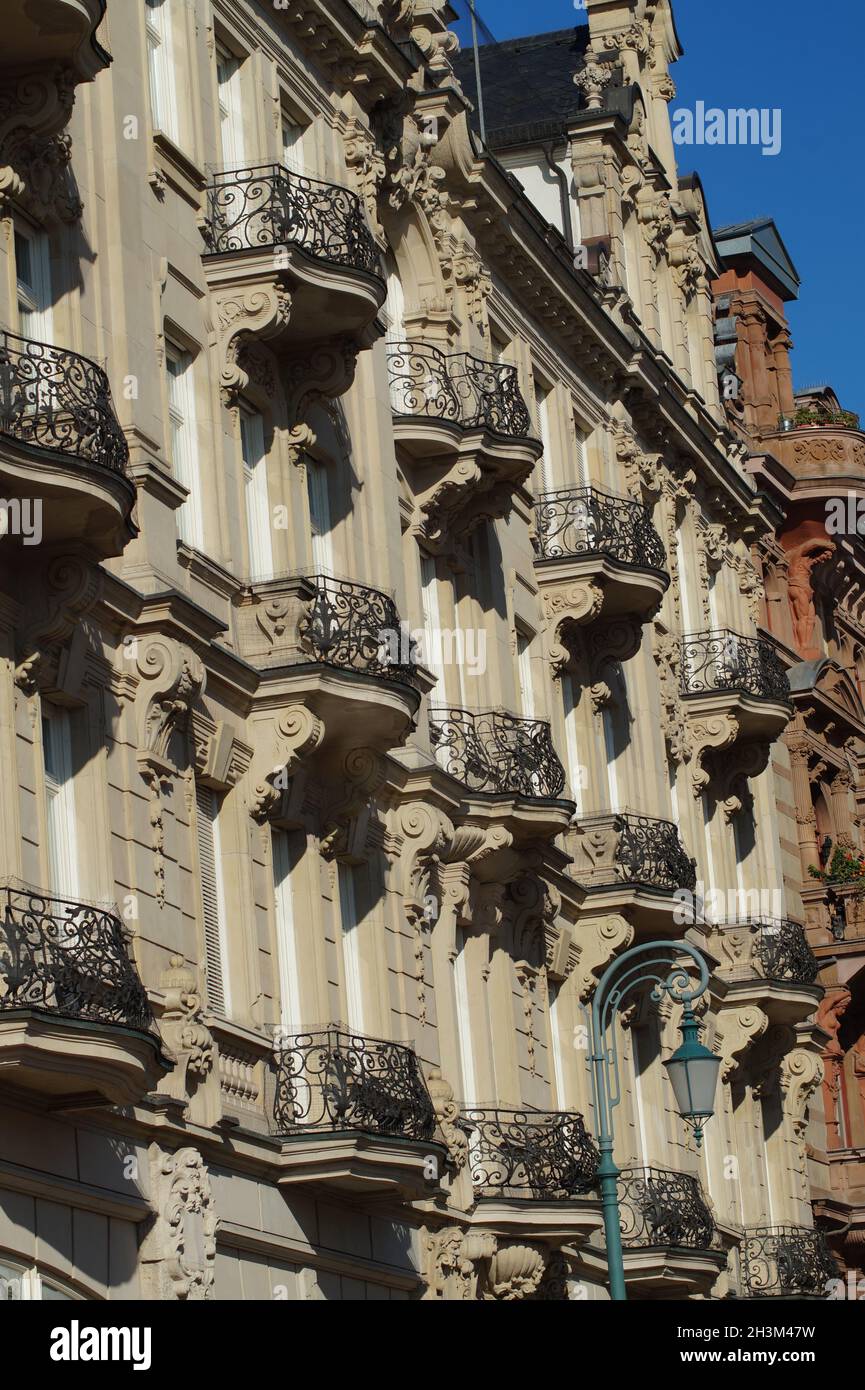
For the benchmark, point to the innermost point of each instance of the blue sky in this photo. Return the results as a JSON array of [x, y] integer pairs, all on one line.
[[774, 53]]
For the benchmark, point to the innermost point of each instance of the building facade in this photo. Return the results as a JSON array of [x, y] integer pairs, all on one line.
[[392, 657], [807, 453]]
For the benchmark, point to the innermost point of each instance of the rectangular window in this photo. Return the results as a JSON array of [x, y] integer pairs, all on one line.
[[350, 938], [258, 519], [33, 275], [545, 463], [293, 149], [61, 820], [524, 672], [576, 767], [184, 443], [162, 68], [580, 442], [319, 515], [229, 80], [286, 853], [432, 653], [212, 900]]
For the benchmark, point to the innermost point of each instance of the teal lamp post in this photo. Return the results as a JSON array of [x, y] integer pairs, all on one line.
[[692, 1069]]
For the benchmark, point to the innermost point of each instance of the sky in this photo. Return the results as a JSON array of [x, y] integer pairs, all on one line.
[[774, 54]]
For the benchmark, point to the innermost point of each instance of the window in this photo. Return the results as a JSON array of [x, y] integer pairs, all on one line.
[[212, 900], [27, 1285], [184, 443], [293, 151], [545, 463], [351, 953], [394, 308], [432, 646], [286, 853], [258, 528], [33, 274], [319, 515], [524, 672], [162, 68], [580, 440], [230, 85], [61, 820]]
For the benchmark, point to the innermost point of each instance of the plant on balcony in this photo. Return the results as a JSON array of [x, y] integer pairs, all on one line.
[[845, 867], [809, 417]]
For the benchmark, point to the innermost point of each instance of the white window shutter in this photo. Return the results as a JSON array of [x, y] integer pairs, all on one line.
[[215, 945]]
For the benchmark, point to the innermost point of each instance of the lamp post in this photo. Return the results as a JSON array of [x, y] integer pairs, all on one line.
[[692, 1069]]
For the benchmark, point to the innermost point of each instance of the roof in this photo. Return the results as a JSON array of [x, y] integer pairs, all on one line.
[[760, 241], [528, 83]]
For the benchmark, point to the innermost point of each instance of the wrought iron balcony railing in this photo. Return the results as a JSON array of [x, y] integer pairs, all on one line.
[[647, 852], [457, 387], [723, 660], [267, 205], [493, 751], [332, 1080], [68, 959], [57, 400], [530, 1153], [585, 521], [786, 1262], [355, 628], [659, 1207], [782, 949]]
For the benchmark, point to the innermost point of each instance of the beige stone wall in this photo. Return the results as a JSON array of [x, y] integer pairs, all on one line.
[[474, 938]]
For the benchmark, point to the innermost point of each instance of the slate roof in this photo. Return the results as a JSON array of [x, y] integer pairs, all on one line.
[[760, 240], [528, 85]]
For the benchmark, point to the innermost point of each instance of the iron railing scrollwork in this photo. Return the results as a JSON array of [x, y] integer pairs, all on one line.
[[651, 853], [68, 959], [723, 660], [781, 947], [539, 1154], [268, 205], [457, 387], [493, 751], [586, 521], [659, 1207], [333, 1080], [786, 1262], [355, 628], [57, 400]]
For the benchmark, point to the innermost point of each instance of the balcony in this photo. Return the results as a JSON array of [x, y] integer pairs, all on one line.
[[597, 557], [735, 691], [769, 963], [354, 1113], [67, 37], [633, 864], [533, 1172], [337, 647], [291, 259], [75, 1020], [465, 433], [785, 1262], [499, 757], [668, 1232], [824, 450], [61, 446]]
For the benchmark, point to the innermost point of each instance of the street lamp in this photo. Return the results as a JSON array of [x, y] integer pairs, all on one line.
[[692, 1069]]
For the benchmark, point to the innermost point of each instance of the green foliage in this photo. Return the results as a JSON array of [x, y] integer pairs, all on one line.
[[844, 867]]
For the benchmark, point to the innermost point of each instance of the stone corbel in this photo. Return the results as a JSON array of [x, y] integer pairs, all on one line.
[[643, 473], [419, 835], [351, 823], [801, 1075], [47, 660], [34, 108], [738, 1030], [667, 654], [319, 373], [731, 772], [179, 1251], [567, 608], [438, 515], [736, 949], [599, 940], [709, 735], [367, 163], [243, 315], [515, 1272], [609, 644], [296, 734]]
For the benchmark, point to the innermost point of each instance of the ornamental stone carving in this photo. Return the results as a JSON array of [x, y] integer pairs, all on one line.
[[187, 1038], [52, 649], [456, 1263], [179, 1251]]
